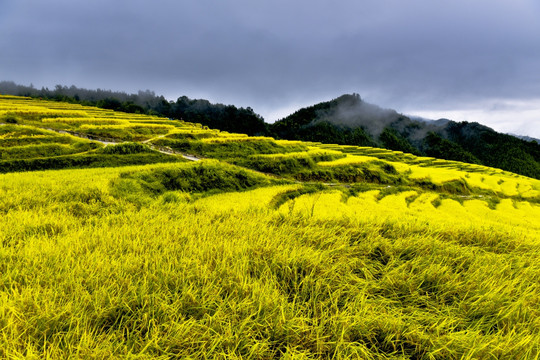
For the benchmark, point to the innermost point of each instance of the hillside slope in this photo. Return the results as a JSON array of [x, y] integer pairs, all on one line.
[[348, 120], [261, 249]]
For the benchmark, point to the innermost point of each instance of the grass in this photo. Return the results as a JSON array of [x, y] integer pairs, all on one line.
[[339, 252], [86, 273]]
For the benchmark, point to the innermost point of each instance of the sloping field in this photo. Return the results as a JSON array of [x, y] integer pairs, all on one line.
[[266, 249]]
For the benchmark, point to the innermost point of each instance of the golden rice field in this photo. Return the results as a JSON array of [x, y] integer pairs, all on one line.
[[210, 260]]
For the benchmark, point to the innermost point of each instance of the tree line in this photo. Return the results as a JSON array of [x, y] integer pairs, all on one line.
[[224, 117], [463, 141]]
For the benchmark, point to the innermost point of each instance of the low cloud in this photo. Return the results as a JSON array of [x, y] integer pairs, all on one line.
[[273, 55]]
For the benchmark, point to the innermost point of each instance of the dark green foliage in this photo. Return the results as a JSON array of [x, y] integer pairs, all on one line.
[[451, 187], [115, 104], [323, 122], [45, 150], [84, 161], [278, 165], [229, 149], [497, 150], [307, 124], [282, 198], [373, 172], [284, 165], [492, 201], [392, 140], [327, 132], [9, 119], [219, 116], [200, 177], [438, 147], [191, 136], [126, 148]]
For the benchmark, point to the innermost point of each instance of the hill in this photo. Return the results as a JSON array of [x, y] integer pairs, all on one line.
[[174, 240], [349, 120], [346, 120], [219, 116]]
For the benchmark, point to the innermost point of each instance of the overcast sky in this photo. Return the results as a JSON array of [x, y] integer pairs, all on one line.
[[473, 60]]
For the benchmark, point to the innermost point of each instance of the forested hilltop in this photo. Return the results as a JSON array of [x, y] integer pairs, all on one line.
[[217, 116], [346, 120]]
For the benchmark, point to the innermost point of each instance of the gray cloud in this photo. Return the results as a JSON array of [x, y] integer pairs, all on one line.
[[418, 55]]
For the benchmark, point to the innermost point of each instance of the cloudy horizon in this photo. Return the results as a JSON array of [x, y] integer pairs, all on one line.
[[462, 60]]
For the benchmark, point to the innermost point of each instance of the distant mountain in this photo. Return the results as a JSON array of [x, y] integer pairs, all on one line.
[[350, 120], [526, 138], [346, 120]]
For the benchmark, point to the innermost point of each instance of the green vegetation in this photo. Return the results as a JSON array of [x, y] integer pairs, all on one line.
[[348, 120], [202, 177], [83, 161], [86, 272], [126, 148], [441, 148], [264, 249], [392, 140], [75, 154], [236, 148], [219, 116]]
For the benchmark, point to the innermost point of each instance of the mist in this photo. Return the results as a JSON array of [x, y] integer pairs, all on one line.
[[353, 112]]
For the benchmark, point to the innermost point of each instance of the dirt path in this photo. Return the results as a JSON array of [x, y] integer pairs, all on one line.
[[111, 141]]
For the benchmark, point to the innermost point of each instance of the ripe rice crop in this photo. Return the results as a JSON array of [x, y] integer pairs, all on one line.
[[311, 153], [211, 260], [123, 124], [234, 138], [86, 273], [436, 175], [39, 111], [44, 150], [84, 121], [349, 159], [244, 201]]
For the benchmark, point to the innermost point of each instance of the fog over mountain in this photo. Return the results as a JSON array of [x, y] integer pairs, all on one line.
[[356, 113], [350, 120]]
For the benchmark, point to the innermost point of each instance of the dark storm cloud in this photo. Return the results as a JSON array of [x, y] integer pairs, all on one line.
[[275, 55]]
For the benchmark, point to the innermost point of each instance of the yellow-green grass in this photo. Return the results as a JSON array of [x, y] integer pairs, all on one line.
[[137, 127], [26, 142], [78, 121], [439, 172], [127, 125], [41, 111], [349, 159], [88, 274], [310, 152], [516, 217], [225, 137], [118, 263]]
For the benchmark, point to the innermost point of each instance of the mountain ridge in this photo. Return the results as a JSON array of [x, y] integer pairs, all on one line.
[[346, 120]]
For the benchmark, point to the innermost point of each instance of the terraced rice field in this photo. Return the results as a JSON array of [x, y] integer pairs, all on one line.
[[263, 249]]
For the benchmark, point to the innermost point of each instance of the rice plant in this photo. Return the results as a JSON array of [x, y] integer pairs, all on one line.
[[395, 257]]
